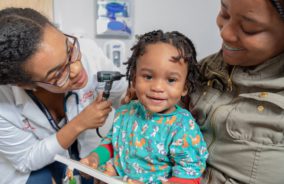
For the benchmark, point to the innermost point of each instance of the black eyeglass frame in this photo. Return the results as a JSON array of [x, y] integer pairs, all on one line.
[[60, 72]]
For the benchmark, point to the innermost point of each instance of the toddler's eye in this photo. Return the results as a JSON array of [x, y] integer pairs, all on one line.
[[147, 77], [172, 80]]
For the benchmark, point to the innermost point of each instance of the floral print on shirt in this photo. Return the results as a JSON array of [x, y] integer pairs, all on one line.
[[148, 146]]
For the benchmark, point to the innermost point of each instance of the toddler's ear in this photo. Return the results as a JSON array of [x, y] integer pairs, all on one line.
[[133, 82], [130, 95], [185, 90]]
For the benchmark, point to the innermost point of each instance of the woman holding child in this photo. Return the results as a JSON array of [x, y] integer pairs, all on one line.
[[240, 107]]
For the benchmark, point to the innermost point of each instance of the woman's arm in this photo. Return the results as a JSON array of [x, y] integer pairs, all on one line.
[[27, 152], [93, 116], [24, 150]]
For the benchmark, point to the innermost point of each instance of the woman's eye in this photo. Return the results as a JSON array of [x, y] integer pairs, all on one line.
[[251, 29], [52, 78], [224, 15], [250, 32]]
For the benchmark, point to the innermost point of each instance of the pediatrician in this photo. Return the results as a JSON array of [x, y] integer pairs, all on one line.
[[49, 100]]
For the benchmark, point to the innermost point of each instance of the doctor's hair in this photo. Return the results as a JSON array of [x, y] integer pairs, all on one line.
[[184, 46], [279, 6], [21, 32]]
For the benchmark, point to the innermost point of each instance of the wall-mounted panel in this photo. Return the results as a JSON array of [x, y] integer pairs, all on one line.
[[43, 6]]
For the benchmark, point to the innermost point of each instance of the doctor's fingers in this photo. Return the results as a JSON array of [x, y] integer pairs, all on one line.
[[99, 98], [101, 104], [100, 117], [95, 113], [101, 109]]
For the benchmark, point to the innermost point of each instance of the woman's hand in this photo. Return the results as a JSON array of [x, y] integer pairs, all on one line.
[[95, 114]]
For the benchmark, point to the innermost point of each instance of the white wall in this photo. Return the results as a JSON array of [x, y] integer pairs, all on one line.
[[194, 18]]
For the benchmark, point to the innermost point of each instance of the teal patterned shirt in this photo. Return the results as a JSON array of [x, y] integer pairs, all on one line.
[[148, 145]]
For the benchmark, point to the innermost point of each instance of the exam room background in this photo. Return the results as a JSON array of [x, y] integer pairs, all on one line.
[[194, 18]]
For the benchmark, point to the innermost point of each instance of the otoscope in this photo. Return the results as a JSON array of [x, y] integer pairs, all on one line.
[[108, 77]]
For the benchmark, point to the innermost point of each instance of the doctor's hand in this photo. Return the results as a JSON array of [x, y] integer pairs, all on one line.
[[95, 114]]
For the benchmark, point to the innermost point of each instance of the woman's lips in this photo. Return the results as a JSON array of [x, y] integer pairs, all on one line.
[[227, 47], [231, 52]]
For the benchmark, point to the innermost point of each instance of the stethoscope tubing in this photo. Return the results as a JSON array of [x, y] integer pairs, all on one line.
[[69, 94]]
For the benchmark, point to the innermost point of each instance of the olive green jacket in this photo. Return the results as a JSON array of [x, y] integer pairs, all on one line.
[[241, 114]]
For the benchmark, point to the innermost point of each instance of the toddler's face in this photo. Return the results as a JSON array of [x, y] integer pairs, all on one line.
[[159, 81]]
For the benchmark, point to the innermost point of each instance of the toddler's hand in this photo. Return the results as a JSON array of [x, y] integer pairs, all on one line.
[[92, 160], [110, 170], [131, 181]]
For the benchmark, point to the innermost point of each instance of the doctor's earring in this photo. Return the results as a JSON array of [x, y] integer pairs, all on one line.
[[28, 87]]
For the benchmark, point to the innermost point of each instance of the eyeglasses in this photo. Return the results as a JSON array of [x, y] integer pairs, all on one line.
[[63, 74]]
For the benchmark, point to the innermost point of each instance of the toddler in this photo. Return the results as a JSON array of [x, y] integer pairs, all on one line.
[[153, 139]]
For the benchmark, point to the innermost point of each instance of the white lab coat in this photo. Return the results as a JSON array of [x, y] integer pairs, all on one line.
[[27, 140]]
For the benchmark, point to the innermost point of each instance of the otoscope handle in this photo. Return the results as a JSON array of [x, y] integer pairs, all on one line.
[[105, 95], [107, 89], [108, 77]]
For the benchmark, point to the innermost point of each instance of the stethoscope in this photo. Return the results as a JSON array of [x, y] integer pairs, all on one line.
[[51, 121], [70, 94]]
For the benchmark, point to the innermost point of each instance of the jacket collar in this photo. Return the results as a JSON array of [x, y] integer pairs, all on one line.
[[269, 74], [20, 95]]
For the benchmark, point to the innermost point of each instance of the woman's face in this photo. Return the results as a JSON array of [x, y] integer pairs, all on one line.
[[252, 31], [54, 53]]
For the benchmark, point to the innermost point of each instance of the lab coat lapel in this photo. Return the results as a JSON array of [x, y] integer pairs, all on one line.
[[71, 107], [36, 117], [31, 114]]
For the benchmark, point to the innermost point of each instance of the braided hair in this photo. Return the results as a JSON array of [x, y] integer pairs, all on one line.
[[184, 46], [21, 32], [279, 7]]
